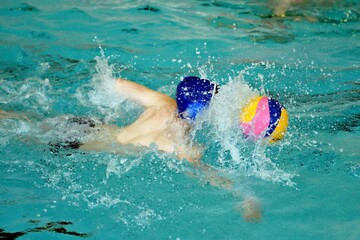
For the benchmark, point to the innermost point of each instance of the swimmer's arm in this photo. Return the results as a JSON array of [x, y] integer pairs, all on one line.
[[213, 176], [141, 94], [3, 114], [210, 174], [250, 207], [14, 115]]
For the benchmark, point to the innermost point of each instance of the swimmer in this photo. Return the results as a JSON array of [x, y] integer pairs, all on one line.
[[166, 124]]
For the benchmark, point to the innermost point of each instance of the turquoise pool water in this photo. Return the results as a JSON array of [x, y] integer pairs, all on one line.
[[60, 58]]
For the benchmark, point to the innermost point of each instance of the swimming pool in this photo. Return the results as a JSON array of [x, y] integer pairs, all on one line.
[[59, 59]]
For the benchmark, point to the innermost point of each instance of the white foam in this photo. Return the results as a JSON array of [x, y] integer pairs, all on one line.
[[100, 92], [145, 217], [31, 93], [118, 166]]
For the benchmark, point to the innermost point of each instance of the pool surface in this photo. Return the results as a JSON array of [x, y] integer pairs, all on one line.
[[59, 60]]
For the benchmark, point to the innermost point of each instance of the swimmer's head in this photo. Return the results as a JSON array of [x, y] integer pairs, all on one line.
[[194, 95], [264, 117]]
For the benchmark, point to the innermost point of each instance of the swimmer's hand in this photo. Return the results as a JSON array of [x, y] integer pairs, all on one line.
[[250, 209]]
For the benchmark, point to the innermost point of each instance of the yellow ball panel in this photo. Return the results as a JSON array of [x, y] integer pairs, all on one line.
[[280, 129], [249, 111]]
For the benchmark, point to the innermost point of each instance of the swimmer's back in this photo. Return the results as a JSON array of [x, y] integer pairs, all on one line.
[[158, 124]]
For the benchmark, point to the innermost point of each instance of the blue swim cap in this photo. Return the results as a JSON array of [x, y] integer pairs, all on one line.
[[193, 95]]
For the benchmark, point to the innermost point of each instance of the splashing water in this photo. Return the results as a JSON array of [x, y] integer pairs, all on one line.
[[32, 93], [243, 156], [248, 158], [100, 92]]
